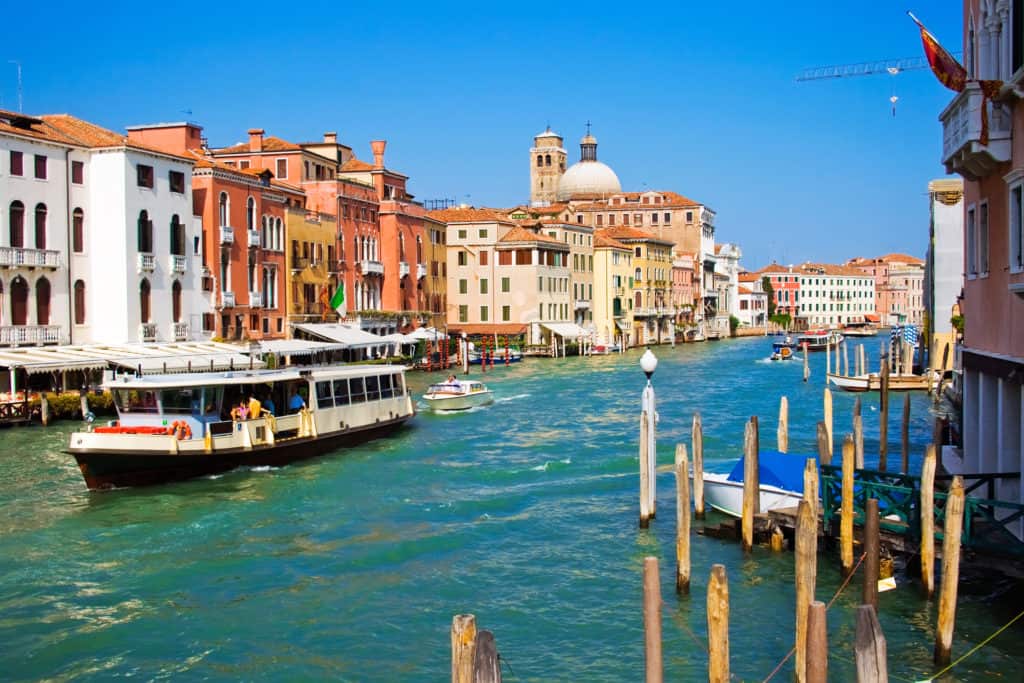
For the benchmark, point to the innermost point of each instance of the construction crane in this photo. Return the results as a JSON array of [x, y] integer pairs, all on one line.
[[884, 66]]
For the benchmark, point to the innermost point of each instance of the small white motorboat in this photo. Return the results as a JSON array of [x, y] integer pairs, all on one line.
[[458, 395], [781, 484]]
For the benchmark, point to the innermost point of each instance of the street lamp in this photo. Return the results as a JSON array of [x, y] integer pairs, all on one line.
[[648, 363], [648, 448], [465, 355]]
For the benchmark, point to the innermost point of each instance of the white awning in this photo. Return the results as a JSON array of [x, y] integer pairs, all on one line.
[[295, 347], [151, 357], [622, 325], [349, 337], [567, 330], [427, 333], [399, 338]]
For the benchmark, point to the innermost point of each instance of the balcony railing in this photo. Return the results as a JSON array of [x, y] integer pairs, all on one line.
[[421, 271], [962, 148], [227, 299], [255, 299], [15, 335], [644, 312], [254, 238], [179, 331], [300, 262], [582, 304], [147, 332], [403, 268], [147, 263], [372, 267], [177, 263], [17, 256], [227, 234]]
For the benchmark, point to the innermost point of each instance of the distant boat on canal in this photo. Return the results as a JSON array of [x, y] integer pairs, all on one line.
[[819, 340], [173, 427], [458, 395]]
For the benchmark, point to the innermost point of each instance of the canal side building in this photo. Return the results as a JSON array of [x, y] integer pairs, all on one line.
[[613, 301], [944, 279], [982, 142], [649, 284]]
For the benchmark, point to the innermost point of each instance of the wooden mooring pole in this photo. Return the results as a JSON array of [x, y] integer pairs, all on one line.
[[870, 648], [682, 521], [846, 360], [817, 643], [905, 433], [806, 572], [950, 571], [883, 416], [44, 409], [652, 621], [751, 484], [782, 434], [846, 509], [645, 474], [928, 521], [718, 625], [486, 663], [869, 595], [807, 366], [858, 441], [823, 453], [856, 407], [811, 486], [697, 441], [463, 647], [828, 419]]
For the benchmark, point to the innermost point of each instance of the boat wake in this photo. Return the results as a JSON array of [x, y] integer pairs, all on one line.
[[549, 463], [506, 399]]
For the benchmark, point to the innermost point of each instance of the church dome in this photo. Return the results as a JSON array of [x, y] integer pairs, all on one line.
[[588, 178]]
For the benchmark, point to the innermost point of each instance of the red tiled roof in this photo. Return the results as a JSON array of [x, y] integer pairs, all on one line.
[[744, 290], [623, 232], [603, 240], [87, 134], [520, 234], [354, 164], [901, 258], [467, 214], [749, 277], [270, 144]]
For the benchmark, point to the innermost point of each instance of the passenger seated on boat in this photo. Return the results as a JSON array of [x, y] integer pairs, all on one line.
[[453, 381], [255, 408], [295, 401], [240, 412], [268, 405]]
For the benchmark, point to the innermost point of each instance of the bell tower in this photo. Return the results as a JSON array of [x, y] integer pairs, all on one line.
[[547, 164]]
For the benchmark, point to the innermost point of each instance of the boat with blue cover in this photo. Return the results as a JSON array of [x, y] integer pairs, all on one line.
[[781, 477]]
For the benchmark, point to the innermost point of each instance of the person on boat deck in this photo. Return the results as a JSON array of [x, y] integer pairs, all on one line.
[[268, 405], [255, 408], [240, 412], [295, 401], [452, 379]]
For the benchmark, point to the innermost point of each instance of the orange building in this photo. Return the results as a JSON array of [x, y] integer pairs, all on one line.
[[243, 244]]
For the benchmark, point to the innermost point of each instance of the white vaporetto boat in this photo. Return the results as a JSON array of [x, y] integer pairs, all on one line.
[[781, 484], [174, 427], [458, 395]]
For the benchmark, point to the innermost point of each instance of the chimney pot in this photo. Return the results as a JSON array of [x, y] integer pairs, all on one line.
[[331, 138], [378, 152], [255, 139]]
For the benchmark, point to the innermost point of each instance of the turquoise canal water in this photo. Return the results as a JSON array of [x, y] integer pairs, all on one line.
[[351, 566]]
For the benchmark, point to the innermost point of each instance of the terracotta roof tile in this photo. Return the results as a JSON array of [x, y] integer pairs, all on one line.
[[604, 241], [270, 144], [623, 232], [901, 258], [85, 134], [354, 164], [749, 277], [467, 214], [745, 290], [520, 234]]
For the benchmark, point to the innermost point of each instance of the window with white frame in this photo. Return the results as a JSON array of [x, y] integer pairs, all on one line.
[[970, 231], [983, 239], [1017, 227]]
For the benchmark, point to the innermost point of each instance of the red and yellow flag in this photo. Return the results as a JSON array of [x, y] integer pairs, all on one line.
[[944, 65]]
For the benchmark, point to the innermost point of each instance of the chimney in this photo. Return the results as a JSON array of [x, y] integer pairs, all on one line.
[[378, 152], [255, 139], [331, 138]]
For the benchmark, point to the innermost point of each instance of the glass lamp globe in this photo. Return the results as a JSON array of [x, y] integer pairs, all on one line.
[[648, 363]]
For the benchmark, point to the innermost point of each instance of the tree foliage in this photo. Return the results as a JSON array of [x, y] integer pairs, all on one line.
[[766, 285]]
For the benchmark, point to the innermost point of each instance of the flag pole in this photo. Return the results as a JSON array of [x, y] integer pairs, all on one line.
[[916, 20]]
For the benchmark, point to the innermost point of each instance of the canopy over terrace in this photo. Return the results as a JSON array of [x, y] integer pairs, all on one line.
[[568, 331], [293, 348], [350, 338], [147, 358]]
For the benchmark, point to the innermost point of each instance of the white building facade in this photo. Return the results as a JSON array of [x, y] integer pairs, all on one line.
[[831, 295]]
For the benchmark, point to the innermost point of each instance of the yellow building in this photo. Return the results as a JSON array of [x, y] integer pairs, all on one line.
[[435, 285], [612, 302], [310, 266], [650, 284]]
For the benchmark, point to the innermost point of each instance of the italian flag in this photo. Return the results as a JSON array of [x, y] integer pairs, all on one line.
[[338, 300]]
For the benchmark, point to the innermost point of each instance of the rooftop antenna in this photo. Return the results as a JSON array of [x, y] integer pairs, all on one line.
[[20, 95]]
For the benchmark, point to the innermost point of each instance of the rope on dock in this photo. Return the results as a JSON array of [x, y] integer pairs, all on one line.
[[974, 649], [835, 597]]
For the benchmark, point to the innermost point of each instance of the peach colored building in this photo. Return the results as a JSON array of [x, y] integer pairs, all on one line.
[[899, 286], [243, 211], [613, 269], [989, 153]]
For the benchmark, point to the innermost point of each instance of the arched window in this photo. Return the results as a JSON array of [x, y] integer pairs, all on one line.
[[176, 301], [40, 226], [78, 231], [636, 275], [17, 224], [540, 160], [341, 244], [250, 214], [145, 233], [19, 301], [43, 301], [638, 302], [279, 236], [144, 301], [264, 234], [401, 247], [79, 302], [419, 249], [177, 236], [223, 209], [547, 159]]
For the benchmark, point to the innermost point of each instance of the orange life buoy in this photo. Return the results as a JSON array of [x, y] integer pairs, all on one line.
[[186, 430]]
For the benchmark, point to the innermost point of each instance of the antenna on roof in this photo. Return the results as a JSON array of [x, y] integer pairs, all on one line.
[[20, 92]]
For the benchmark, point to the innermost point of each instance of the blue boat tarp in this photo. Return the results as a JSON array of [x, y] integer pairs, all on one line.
[[782, 470]]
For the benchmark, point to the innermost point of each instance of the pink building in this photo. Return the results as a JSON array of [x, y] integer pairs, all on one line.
[[899, 286], [785, 286], [983, 141]]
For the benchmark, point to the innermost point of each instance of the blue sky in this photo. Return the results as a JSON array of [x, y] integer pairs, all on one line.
[[696, 98]]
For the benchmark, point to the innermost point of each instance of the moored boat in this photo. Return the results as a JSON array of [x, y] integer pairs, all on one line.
[[458, 395], [173, 427], [512, 354], [873, 382], [819, 340], [781, 484]]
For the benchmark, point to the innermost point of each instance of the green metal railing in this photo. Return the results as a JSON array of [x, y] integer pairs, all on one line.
[[986, 521]]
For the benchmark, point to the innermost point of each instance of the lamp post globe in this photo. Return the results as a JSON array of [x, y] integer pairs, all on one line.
[[648, 363]]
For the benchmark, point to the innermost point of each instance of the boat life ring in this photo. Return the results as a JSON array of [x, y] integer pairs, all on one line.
[[181, 430]]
